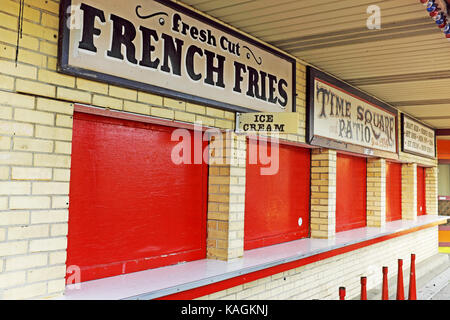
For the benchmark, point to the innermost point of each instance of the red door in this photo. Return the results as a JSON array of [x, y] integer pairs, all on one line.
[[393, 191], [421, 205], [132, 208], [277, 206], [350, 192]]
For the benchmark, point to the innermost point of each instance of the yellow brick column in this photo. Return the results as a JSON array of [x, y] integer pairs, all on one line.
[[323, 193], [431, 189], [409, 191], [226, 200], [376, 192]]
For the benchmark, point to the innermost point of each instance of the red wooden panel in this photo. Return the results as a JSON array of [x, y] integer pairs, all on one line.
[[421, 205], [393, 191], [274, 203], [132, 208], [350, 192]]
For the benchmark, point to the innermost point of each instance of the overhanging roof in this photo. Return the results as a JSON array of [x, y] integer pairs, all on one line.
[[405, 63]]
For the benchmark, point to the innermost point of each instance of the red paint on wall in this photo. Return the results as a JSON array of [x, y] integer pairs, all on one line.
[[350, 192], [421, 202], [393, 191], [131, 208], [443, 149], [274, 203]]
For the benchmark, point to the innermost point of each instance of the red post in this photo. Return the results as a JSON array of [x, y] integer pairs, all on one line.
[[400, 289], [341, 293], [385, 293], [363, 288], [412, 279]]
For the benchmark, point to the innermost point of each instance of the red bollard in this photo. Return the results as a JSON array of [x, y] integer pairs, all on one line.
[[363, 288], [412, 279], [341, 293], [385, 293], [400, 289]]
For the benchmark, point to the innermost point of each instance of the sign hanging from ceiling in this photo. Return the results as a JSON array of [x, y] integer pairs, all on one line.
[[343, 117], [417, 138], [164, 48]]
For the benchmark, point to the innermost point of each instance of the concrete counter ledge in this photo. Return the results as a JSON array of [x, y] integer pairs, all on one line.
[[198, 278]]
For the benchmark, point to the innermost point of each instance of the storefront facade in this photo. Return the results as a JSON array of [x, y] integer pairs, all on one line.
[[90, 194]]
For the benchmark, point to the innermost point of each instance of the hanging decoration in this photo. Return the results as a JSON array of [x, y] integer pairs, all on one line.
[[438, 15]]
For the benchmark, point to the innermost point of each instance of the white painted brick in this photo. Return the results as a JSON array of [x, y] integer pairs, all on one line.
[[33, 116], [26, 262], [28, 232], [41, 245], [59, 229], [8, 218], [63, 147], [23, 173], [49, 216], [31, 144], [54, 188], [5, 142], [12, 279], [47, 273], [61, 174], [58, 285], [25, 292], [60, 202], [4, 173], [58, 257], [13, 248], [3, 203], [13, 187], [29, 202]]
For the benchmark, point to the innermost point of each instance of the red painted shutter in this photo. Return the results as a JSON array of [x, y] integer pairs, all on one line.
[[393, 191], [421, 204], [274, 203], [350, 192], [132, 208]]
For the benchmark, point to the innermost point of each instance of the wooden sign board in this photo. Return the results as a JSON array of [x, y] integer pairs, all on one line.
[[164, 48], [280, 122], [418, 138], [345, 118]]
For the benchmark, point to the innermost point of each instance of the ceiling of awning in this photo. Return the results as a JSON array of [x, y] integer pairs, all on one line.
[[405, 63]]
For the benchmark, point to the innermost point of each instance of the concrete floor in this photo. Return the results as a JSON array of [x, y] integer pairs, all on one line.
[[432, 280], [438, 288]]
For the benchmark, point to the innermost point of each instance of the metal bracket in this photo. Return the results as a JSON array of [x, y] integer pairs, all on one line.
[[236, 125]]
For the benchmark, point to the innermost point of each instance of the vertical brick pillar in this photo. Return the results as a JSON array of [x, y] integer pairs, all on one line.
[[323, 194], [376, 192], [431, 189], [409, 191], [226, 199]]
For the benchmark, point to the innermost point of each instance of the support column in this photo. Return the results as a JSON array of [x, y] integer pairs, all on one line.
[[226, 197], [431, 190], [323, 194], [376, 192], [409, 191]]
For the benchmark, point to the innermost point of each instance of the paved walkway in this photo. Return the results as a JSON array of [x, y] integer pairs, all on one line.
[[436, 289]]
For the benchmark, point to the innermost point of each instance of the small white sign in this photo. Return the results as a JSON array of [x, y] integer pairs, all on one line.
[[417, 138]]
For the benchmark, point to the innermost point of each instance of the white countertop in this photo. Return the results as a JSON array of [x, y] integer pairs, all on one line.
[[154, 283]]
